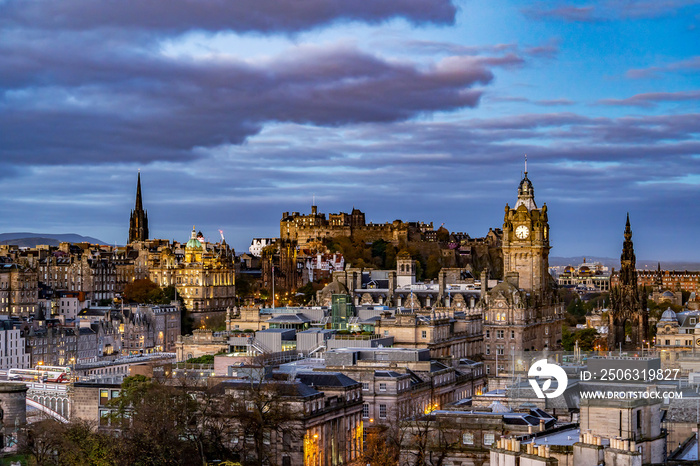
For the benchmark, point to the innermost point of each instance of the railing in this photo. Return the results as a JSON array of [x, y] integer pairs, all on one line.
[[373, 336], [126, 360], [47, 386]]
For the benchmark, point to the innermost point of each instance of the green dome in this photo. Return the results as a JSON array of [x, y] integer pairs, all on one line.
[[193, 243]]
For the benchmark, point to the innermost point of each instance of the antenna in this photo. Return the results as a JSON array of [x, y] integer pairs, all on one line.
[[526, 164]]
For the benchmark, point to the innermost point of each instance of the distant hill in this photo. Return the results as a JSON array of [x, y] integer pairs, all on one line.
[[26, 239], [614, 262]]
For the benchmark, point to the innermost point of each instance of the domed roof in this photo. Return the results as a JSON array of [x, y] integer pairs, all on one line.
[[668, 316], [668, 294], [193, 243], [335, 288]]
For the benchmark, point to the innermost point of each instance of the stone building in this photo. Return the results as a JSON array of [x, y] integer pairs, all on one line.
[[326, 428], [19, 290], [627, 301], [523, 312], [677, 333], [306, 228], [205, 277], [586, 277], [202, 342], [12, 346], [448, 333], [399, 382]]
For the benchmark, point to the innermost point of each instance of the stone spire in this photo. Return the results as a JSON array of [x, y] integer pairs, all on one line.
[[138, 224], [628, 261], [139, 202], [627, 301]]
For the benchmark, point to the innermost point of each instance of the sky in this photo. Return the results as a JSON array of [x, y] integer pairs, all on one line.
[[420, 110]]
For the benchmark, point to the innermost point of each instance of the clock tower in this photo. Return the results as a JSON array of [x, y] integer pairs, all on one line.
[[522, 313], [526, 241]]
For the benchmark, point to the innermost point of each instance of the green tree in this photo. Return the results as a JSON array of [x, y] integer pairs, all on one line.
[[586, 338], [433, 266], [144, 291]]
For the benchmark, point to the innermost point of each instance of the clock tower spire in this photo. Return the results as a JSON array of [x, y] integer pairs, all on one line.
[[526, 240]]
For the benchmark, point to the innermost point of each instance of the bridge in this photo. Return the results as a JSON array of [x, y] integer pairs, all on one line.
[[50, 398]]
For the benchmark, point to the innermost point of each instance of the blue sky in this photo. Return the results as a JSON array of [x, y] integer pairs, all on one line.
[[414, 109]]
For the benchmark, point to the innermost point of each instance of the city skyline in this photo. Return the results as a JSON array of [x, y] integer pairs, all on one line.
[[410, 109]]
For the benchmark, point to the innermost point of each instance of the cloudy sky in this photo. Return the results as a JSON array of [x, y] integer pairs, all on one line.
[[238, 110]]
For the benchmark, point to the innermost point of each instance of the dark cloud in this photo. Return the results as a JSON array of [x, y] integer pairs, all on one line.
[[689, 65], [651, 99], [178, 16], [589, 170], [60, 105]]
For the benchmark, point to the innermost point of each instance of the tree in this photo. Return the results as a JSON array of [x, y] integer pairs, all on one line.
[[265, 411], [586, 339], [50, 442], [155, 421], [378, 450], [144, 291]]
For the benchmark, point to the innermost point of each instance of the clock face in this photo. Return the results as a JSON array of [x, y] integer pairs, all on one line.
[[522, 232]]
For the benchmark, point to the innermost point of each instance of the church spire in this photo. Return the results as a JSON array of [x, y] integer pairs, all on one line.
[[138, 224], [139, 202]]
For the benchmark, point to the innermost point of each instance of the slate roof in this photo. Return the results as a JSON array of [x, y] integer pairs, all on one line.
[[326, 379]]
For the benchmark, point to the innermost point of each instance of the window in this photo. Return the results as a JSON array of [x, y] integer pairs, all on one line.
[[488, 349], [365, 386], [424, 334], [365, 410], [489, 439], [104, 417], [488, 333], [382, 387], [382, 411], [104, 397], [500, 334], [468, 438], [512, 334], [499, 350]]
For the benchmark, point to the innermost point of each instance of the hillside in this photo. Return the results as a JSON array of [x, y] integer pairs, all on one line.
[[27, 239]]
